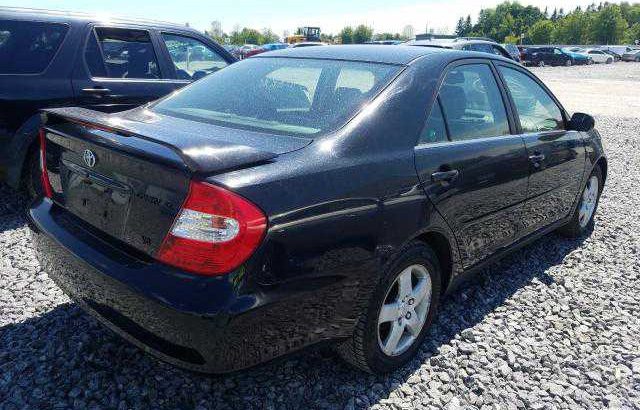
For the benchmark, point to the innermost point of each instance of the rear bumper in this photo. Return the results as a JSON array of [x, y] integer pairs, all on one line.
[[212, 325]]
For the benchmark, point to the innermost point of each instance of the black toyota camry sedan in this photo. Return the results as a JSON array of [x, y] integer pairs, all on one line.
[[320, 194]]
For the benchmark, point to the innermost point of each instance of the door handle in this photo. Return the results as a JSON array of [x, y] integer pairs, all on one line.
[[445, 176], [537, 157], [96, 91]]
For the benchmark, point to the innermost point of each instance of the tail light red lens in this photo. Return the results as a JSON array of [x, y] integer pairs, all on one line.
[[44, 175], [215, 232]]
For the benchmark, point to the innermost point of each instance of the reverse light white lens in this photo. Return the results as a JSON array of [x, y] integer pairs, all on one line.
[[203, 227]]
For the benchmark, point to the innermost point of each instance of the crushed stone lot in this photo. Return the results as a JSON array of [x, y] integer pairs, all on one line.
[[555, 325]]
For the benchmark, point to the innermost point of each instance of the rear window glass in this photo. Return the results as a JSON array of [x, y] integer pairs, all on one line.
[[281, 95], [27, 47]]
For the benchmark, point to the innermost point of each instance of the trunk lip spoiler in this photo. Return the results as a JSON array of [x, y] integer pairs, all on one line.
[[101, 121]]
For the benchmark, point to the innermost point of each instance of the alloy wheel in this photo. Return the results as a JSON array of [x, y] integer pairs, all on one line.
[[588, 201], [404, 310]]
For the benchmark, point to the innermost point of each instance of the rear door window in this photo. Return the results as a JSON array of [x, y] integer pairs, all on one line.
[[192, 58], [434, 129], [472, 103], [27, 47], [121, 53], [536, 109]]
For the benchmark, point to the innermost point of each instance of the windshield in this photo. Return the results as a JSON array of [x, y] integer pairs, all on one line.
[[281, 95]]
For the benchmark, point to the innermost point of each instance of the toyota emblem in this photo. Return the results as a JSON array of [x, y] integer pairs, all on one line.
[[89, 158]]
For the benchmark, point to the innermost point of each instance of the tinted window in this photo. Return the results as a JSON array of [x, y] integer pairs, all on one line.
[[536, 109], [472, 103], [192, 58], [121, 53], [284, 95], [434, 129], [28, 47], [483, 48]]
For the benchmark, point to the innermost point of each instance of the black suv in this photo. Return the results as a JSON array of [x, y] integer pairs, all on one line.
[[50, 59], [541, 56]]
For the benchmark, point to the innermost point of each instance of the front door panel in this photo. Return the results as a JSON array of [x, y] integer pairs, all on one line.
[[557, 163]]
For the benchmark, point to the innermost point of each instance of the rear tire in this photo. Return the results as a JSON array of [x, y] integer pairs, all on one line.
[[541, 63], [585, 210], [393, 311], [568, 63], [609, 60]]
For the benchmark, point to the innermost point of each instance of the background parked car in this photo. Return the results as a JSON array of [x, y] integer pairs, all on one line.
[[482, 46], [620, 50], [578, 56], [616, 56], [599, 56], [247, 49], [542, 56], [76, 59], [234, 50], [513, 50], [264, 48], [633, 55]]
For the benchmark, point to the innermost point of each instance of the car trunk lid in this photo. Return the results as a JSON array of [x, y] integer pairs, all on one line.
[[127, 176]]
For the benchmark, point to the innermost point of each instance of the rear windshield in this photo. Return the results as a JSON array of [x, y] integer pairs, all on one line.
[[27, 47], [281, 95]]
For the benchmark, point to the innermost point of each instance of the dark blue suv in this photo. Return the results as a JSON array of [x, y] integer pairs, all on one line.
[[51, 59]]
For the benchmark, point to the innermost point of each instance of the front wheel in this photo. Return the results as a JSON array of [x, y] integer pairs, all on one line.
[[609, 60], [400, 311], [568, 63], [584, 212]]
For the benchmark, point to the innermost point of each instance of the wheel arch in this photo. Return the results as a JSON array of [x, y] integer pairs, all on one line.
[[444, 250], [604, 166], [24, 141]]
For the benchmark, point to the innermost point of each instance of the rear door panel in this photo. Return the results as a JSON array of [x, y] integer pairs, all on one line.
[[483, 203], [483, 206]]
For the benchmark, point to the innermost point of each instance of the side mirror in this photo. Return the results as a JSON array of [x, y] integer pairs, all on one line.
[[581, 122]]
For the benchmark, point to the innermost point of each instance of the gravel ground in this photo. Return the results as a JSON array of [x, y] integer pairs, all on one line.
[[602, 89], [555, 325]]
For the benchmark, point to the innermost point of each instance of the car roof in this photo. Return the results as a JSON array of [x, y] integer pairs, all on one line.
[[75, 17], [372, 53]]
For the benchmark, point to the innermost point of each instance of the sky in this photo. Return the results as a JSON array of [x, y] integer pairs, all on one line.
[[281, 16]]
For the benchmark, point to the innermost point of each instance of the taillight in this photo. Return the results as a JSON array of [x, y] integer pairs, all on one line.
[[44, 175], [215, 231]]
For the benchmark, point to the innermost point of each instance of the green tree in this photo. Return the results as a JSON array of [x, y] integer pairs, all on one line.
[[362, 34], [632, 34], [460, 27], [573, 29], [247, 36], [540, 32], [268, 36], [346, 35], [608, 25], [468, 27]]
